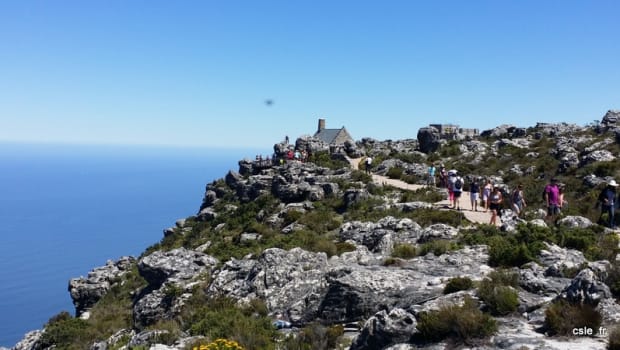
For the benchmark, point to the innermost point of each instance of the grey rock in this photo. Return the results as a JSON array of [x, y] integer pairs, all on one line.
[[438, 231], [290, 282], [556, 259], [598, 156], [532, 278], [384, 329], [586, 288], [30, 340], [429, 139], [175, 265], [311, 145], [575, 222], [85, 292], [611, 118], [355, 195]]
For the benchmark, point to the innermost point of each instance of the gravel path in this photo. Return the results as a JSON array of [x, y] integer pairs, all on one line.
[[474, 216]]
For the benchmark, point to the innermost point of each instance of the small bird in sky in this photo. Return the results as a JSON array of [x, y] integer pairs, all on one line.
[[269, 102]]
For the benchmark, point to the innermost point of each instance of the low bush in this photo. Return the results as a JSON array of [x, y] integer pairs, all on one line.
[[220, 317], [613, 279], [315, 337], [395, 173], [498, 293], [427, 194], [403, 251], [457, 284], [437, 247], [562, 317], [65, 332], [461, 324], [614, 339]]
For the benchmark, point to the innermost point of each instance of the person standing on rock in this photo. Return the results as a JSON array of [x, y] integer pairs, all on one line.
[[368, 164], [518, 201], [431, 175], [495, 204], [474, 191], [607, 197]]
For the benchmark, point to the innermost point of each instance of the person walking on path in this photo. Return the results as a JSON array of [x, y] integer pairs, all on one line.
[[443, 177], [495, 204], [552, 197], [457, 189], [368, 164], [486, 195], [431, 175], [607, 197], [474, 191], [518, 201]]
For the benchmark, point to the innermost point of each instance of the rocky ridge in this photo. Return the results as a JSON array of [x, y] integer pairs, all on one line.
[[357, 286]]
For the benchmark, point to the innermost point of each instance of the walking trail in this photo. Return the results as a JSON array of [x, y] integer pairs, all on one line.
[[474, 216]]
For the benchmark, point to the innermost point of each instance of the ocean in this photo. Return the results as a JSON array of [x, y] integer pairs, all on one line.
[[67, 209]]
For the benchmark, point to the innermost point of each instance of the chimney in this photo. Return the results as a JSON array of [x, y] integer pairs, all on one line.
[[321, 125]]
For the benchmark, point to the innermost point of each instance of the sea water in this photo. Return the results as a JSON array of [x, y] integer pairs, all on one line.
[[67, 209]]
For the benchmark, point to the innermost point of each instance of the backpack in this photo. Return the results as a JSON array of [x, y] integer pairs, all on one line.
[[458, 184]]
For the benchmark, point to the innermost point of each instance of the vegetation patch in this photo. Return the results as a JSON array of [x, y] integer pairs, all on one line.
[[498, 293], [437, 247], [462, 324], [404, 251], [457, 284], [562, 317]]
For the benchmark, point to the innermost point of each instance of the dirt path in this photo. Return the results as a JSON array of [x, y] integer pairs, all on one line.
[[474, 216]]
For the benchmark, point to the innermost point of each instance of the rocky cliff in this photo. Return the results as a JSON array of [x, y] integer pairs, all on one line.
[[317, 255]]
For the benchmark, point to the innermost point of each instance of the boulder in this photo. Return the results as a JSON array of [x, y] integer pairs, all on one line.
[[429, 139], [311, 145], [290, 282], [575, 222], [384, 329], [174, 266], [586, 288], [85, 292], [611, 119]]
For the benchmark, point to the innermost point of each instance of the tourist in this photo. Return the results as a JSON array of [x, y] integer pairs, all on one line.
[[607, 197], [368, 164], [552, 196], [486, 195], [457, 190], [495, 204], [474, 191], [443, 177], [431, 175], [518, 201], [286, 140], [450, 185]]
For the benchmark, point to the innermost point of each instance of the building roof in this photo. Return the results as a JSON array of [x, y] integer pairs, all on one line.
[[327, 135]]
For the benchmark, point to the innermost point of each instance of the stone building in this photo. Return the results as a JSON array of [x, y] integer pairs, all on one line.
[[454, 132], [332, 137]]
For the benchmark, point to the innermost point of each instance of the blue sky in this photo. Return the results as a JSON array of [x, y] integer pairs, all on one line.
[[197, 73]]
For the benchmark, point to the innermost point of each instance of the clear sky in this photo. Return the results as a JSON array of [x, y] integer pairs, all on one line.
[[198, 72]]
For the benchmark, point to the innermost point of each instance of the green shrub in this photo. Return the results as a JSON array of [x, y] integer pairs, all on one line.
[[562, 317], [403, 251], [315, 337], [221, 318], [459, 323], [65, 332], [395, 173], [437, 247], [324, 159], [614, 339], [427, 194], [498, 293], [343, 247], [390, 261], [457, 284], [613, 279]]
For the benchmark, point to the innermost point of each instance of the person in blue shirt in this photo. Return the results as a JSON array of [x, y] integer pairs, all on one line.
[[431, 175], [607, 198]]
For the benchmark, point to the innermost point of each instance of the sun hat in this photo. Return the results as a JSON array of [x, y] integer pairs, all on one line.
[[613, 183]]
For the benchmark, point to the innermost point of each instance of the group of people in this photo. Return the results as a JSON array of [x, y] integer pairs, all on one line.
[[492, 195]]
